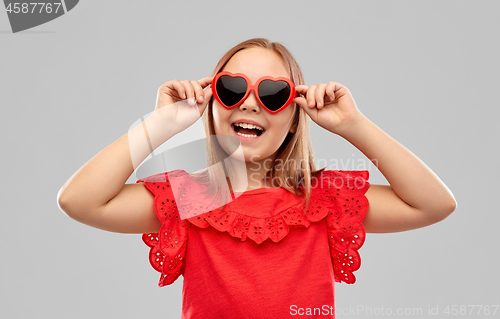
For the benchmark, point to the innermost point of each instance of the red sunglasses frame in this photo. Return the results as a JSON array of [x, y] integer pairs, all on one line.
[[254, 88]]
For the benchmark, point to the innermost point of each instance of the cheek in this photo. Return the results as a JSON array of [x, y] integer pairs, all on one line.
[[217, 109], [285, 119], [220, 115]]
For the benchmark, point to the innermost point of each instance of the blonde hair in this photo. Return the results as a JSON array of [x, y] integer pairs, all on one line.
[[295, 154]]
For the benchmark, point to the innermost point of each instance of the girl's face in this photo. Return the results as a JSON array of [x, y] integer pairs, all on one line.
[[256, 63]]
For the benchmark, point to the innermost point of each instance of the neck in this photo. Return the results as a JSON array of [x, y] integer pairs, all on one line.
[[249, 175]]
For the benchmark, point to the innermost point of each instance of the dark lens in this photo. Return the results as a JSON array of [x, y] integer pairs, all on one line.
[[274, 94], [231, 89]]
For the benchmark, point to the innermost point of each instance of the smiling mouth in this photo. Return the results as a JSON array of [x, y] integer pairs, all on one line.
[[247, 131]]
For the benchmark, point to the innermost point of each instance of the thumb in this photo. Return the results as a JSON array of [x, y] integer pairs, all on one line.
[[207, 95], [302, 102]]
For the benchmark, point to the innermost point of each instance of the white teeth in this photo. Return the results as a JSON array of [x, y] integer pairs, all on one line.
[[250, 126], [246, 135]]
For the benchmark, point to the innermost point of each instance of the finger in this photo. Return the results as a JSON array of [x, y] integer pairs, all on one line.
[[208, 95], [319, 95], [206, 81], [188, 86], [330, 91], [302, 102], [198, 91], [340, 90], [301, 89], [206, 100], [177, 86], [311, 102]]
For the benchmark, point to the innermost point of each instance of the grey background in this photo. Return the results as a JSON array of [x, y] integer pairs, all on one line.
[[426, 72]]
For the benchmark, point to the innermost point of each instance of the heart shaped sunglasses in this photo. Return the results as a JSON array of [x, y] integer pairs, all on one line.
[[274, 94]]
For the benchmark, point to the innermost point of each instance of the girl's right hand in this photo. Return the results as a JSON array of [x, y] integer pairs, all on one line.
[[182, 103]]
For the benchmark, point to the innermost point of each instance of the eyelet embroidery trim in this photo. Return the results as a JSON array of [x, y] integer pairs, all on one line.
[[347, 208], [342, 203], [168, 246], [260, 229]]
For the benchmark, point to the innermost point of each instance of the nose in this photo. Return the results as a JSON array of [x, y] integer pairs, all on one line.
[[251, 103]]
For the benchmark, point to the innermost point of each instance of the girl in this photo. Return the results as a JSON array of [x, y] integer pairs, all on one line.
[[289, 231]]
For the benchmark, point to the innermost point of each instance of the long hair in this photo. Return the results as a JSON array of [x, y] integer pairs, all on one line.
[[294, 162]]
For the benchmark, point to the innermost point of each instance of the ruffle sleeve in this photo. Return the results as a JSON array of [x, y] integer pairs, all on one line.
[[344, 195], [168, 245]]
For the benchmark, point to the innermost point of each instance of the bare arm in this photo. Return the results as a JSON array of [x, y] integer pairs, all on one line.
[[415, 198], [96, 195]]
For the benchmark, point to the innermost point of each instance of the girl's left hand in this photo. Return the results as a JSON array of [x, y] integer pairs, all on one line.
[[330, 105]]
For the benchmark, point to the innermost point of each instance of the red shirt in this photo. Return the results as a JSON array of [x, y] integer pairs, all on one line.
[[263, 255]]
